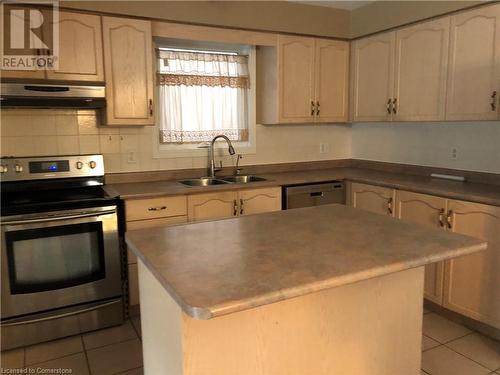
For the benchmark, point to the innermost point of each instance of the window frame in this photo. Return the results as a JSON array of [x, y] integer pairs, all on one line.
[[199, 149]]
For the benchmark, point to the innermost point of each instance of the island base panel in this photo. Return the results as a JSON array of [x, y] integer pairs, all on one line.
[[369, 327]]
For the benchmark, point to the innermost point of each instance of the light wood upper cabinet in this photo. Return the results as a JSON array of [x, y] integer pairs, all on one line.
[[296, 77], [474, 65], [212, 206], [303, 80], [420, 71], [128, 67], [373, 77], [257, 201], [80, 48], [372, 198], [426, 210], [36, 74], [472, 282], [331, 80]]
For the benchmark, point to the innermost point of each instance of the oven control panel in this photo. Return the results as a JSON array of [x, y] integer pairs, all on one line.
[[46, 167]]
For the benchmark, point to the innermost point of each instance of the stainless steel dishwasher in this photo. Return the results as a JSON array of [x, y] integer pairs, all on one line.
[[308, 195]]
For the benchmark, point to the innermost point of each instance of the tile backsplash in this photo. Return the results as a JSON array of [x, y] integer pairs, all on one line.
[[34, 132]]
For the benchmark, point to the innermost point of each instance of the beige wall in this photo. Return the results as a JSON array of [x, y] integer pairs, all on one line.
[[382, 15], [430, 144], [259, 15], [50, 132]]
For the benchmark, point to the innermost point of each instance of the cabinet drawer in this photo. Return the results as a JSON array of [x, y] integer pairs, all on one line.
[[153, 208]]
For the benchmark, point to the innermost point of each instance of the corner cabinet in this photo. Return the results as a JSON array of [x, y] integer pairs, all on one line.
[[128, 65], [303, 80], [212, 206], [474, 71], [472, 282]]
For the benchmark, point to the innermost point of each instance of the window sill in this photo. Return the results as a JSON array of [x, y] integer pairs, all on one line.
[[243, 148]]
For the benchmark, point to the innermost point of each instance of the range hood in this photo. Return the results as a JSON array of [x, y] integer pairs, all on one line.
[[51, 96]]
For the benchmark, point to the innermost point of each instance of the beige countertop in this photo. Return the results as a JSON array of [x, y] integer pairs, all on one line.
[[474, 192], [225, 266]]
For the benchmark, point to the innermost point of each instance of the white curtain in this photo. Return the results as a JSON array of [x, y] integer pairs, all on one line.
[[202, 95]]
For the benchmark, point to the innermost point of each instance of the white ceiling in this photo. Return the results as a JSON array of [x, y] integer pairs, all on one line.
[[348, 5]]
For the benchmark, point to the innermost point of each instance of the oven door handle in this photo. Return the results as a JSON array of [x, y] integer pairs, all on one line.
[[63, 315], [57, 218]]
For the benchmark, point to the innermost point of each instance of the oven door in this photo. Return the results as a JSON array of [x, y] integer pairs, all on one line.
[[59, 259]]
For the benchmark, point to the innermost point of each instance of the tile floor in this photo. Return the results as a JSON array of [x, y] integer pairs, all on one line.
[[115, 350], [447, 349]]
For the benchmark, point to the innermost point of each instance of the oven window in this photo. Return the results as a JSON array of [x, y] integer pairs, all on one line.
[[52, 258]]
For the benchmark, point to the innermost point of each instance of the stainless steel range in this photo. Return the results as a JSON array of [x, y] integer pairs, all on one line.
[[61, 260]]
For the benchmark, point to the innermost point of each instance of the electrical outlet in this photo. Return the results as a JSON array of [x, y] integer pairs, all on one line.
[[454, 153], [324, 148], [131, 157]]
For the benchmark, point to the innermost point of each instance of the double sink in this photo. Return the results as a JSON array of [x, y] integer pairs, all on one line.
[[208, 181]]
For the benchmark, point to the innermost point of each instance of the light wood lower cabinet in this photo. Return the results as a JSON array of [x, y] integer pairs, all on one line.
[[221, 205], [468, 285], [426, 210], [377, 199], [212, 206], [472, 282], [147, 213], [133, 283], [258, 201]]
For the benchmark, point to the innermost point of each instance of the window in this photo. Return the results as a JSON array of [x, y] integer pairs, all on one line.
[[203, 93]]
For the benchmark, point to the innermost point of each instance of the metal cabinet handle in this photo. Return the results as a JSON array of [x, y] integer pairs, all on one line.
[[388, 106], [317, 108], [441, 217], [312, 108], [449, 219], [160, 208], [389, 206], [151, 107], [235, 207], [395, 105], [241, 206], [494, 101]]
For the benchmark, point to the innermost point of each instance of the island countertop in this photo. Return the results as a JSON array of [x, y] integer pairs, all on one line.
[[220, 267]]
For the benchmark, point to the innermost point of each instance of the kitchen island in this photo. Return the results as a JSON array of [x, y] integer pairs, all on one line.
[[323, 290]]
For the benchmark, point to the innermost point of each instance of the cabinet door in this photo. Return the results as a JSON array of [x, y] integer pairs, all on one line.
[[474, 68], [133, 282], [371, 198], [426, 210], [80, 48], [129, 71], [472, 282], [296, 79], [257, 201], [332, 78], [373, 71], [421, 68], [38, 74], [212, 206]]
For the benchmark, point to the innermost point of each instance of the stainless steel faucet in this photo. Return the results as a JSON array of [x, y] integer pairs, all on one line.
[[212, 153]]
